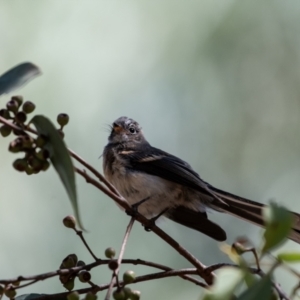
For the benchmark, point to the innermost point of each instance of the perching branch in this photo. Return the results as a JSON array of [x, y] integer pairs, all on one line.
[[115, 275]]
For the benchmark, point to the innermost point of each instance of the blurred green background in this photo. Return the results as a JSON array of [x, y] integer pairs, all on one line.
[[213, 82]]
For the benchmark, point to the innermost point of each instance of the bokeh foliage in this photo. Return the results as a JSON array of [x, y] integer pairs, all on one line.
[[215, 83]]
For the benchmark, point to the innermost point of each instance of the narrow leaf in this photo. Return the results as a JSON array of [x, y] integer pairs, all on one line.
[[261, 290], [227, 281], [29, 296], [18, 76], [289, 256], [60, 158], [34, 296], [279, 223]]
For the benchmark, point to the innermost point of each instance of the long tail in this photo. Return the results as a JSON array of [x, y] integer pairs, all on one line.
[[250, 211]]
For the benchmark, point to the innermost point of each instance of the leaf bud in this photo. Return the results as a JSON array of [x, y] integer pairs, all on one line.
[[135, 295], [29, 170], [42, 154], [12, 105], [110, 252], [35, 163], [45, 165], [15, 146], [63, 278], [40, 141], [84, 276], [62, 119], [69, 285], [16, 283], [69, 221], [20, 117], [10, 292], [119, 294], [90, 296], [28, 107], [113, 265], [73, 296], [19, 99], [80, 263], [20, 164], [5, 130], [128, 276], [127, 291], [69, 262], [4, 113]]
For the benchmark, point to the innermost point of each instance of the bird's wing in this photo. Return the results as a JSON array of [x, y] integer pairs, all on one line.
[[196, 220], [156, 162]]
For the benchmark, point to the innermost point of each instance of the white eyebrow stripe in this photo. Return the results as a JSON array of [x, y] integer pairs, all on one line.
[[151, 158], [127, 152]]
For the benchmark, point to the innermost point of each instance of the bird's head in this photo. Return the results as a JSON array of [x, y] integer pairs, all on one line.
[[126, 131]]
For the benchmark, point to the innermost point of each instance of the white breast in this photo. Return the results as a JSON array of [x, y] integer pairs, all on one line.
[[135, 186]]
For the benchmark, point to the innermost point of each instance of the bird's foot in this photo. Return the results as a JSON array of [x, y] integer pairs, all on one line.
[[151, 222], [135, 207]]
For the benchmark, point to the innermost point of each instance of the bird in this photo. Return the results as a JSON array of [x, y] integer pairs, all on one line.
[[160, 184]]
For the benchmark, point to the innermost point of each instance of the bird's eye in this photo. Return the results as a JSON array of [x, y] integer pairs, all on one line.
[[132, 130]]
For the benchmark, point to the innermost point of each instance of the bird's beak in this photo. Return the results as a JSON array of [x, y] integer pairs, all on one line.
[[117, 129]]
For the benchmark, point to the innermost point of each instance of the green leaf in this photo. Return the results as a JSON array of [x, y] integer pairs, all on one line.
[[29, 296], [250, 279], [60, 158], [278, 223], [18, 76], [34, 296], [227, 281], [289, 256], [261, 290]]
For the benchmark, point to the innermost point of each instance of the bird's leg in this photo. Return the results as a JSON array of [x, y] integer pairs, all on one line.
[[135, 207], [151, 222]]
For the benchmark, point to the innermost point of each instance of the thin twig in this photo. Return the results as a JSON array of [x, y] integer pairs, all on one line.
[[276, 286], [147, 277], [90, 266], [26, 284], [80, 234], [257, 271], [218, 266], [14, 126], [114, 278]]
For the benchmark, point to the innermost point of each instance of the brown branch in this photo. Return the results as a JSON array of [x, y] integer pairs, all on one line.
[[208, 277], [218, 266], [114, 278], [94, 171], [205, 272], [27, 284], [88, 267], [15, 127], [120, 200], [147, 277]]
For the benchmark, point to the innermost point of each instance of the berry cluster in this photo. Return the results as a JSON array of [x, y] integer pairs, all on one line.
[[35, 149], [16, 111], [68, 281], [122, 292]]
